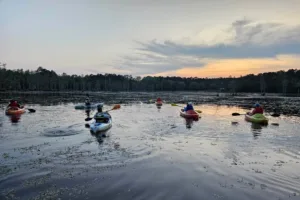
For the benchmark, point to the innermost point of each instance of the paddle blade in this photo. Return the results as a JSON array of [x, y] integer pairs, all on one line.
[[236, 114], [275, 124], [118, 106], [88, 119], [198, 111], [31, 110], [275, 115], [87, 126], [173, 104]]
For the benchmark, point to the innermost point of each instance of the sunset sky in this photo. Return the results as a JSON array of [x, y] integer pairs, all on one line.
[[198, 38]]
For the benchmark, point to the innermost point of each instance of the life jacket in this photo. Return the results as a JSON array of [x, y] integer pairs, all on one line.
[[158, 99], [102, 115], [257, 110], [14, 104]]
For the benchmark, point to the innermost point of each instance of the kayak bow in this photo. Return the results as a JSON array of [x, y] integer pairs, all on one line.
[[257, 118], [190, 114], [15, 111]]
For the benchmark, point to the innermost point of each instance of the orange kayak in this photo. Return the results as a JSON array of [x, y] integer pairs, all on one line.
[[190, 114], [15, 111]]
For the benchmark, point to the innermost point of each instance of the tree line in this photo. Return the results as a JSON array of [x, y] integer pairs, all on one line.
[[48, 80]]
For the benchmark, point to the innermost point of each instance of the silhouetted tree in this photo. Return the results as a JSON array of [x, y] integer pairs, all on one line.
[[47, 80]]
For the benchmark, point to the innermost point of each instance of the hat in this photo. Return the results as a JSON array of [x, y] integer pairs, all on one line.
[[256, 105]]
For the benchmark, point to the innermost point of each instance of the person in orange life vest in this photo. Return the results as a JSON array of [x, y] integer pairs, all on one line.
[[257, 110]]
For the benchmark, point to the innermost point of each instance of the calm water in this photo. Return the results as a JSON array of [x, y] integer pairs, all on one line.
[[151, 154]]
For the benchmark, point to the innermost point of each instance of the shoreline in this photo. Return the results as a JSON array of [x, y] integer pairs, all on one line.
[[271, 102]]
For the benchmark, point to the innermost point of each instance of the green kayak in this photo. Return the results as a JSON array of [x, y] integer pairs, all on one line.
[[257, 118]]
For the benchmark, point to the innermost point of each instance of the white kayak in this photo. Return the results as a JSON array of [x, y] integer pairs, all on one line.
[[100, 127]]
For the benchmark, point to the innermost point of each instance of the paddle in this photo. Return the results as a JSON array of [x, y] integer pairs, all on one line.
[[114, 108], [237, 114], [273, 115], [31, 110], [173, 104], [275, 124]]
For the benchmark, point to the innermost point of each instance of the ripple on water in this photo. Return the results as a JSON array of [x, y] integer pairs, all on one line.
[[150, 155], [62, 131]]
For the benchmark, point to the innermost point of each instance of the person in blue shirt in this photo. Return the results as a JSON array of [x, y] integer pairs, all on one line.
[[188, 107]]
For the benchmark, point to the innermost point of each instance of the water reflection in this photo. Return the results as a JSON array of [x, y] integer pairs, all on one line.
[[14, 118], [189, 123], [158, 107], [88, 113], [256, 129], [100, 136]]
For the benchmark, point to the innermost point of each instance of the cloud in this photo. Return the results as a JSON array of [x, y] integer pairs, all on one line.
[[243, 40], [248, 41], [149, 63]]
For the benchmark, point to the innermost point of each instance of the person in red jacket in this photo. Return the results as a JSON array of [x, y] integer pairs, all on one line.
[[14, 104], [158, 100], [257, 110]]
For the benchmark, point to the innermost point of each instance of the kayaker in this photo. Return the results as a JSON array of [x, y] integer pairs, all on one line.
[[257, 109], [100, 116], [189, 106], [87, 101], [13, 104], [158, 100]]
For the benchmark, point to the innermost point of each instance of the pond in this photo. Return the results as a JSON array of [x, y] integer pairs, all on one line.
[[150, 153]]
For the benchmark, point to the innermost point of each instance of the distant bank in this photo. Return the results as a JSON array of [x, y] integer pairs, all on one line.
[[283, 82]]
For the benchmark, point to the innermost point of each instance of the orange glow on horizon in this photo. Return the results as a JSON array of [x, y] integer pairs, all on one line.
[[237, 67]]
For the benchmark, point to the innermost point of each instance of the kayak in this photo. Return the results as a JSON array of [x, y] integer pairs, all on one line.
[[100, 127], [159, 103], [84, 106], [257, 118], [190, 114], [15, 111]]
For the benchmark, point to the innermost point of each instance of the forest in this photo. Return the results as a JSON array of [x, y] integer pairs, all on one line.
[[48, 80]]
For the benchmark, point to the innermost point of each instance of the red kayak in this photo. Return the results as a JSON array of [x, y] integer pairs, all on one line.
[[190, 114], [159, 103]]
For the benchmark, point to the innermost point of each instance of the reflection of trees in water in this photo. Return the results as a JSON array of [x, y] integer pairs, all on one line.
[[42, 98]]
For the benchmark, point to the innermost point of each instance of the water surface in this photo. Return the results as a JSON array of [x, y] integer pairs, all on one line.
[[151, 153]]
